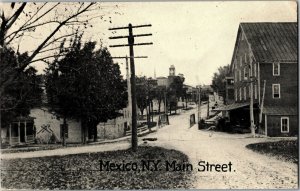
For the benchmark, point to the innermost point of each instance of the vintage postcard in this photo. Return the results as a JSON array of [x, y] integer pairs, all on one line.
[[149, 95]]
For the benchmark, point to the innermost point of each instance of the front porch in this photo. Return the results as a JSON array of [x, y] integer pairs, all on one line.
[[238, 116], [20, 131]]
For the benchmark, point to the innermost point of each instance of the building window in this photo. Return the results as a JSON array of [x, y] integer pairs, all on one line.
[[276, 90], [284, 124], [240, 91], [276, 69], [245, 73], [235, 94], [245, 93], [240, 75], [254, 70], [255, 91], [241, 60], [245, 57]]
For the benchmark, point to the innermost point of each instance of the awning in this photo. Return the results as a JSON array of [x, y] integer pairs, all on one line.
[[231, 106], [272, 110]]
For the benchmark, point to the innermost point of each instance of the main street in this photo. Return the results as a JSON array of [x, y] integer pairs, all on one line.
[[249, 169]]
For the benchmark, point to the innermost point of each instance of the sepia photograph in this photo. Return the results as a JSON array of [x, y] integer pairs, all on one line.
[[158, 95]]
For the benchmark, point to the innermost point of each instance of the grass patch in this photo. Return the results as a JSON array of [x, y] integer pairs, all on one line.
[[82, 171], [286, 150]]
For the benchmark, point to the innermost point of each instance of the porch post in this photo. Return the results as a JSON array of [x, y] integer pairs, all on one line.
[[9, 134], [258, 82], [25, 136], [19, 132]]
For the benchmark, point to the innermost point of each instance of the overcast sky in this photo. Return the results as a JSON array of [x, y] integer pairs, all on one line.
[[195, 37]]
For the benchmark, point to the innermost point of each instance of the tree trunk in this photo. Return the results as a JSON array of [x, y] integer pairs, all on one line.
[[95, 131], [159, 104], [64, 132], [147, 114], [151, 111], [186, 101]]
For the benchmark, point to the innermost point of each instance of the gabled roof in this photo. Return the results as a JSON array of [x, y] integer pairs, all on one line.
[[271, 42]]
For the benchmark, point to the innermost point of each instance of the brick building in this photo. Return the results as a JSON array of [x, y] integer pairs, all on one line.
[[266, 56]]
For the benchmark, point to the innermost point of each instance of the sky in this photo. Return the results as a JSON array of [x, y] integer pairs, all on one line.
[[196, 37]]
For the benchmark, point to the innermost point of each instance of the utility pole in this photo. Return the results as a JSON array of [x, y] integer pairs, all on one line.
[[262, 106], [166, 108], [199, 107], [165, 101], [128, 78], [207, 108], [252, 128], [130, 37]]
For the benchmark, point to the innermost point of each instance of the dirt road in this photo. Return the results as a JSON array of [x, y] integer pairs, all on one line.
[[250, 170]]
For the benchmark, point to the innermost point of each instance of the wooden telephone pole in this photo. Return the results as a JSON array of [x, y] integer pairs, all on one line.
[[130, 37], [262, 108], [252, 126], [128, 78], [199, 107]]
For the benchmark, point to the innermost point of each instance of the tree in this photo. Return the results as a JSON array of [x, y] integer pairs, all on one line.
[[23, 93], [159, 95], [141, 93], [29, 20], [218, 84], [175, 91], [86, 85], [145, 94], [186, 96]]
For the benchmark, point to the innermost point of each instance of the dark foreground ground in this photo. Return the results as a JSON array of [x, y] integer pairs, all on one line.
[[82, 171], [286, 150]]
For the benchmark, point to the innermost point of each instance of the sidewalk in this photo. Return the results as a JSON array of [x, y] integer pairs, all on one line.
[[107, 145]]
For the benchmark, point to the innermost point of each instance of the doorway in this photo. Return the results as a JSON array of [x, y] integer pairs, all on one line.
[[22, 132]]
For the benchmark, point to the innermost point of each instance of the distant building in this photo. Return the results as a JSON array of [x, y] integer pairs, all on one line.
[[265, 52], [207, 88], [166, 81], [192, 92], [162, 81], [181, 76]]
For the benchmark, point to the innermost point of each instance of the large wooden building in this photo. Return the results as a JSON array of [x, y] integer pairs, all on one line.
[[266, 56]]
